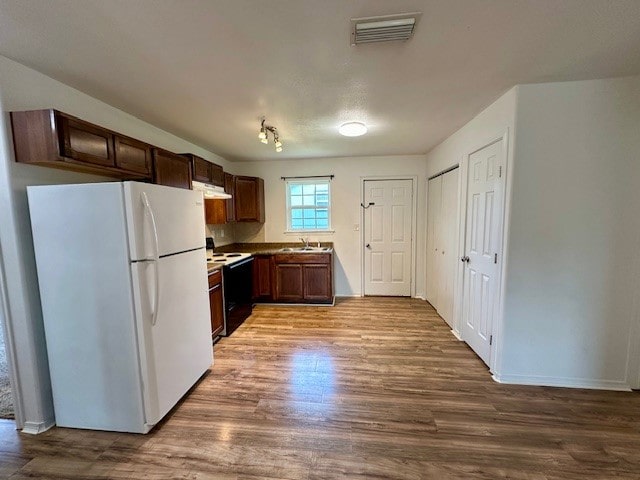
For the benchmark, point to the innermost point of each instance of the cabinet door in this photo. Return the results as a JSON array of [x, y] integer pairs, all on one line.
[[229, 187], [289, 283], [132, 155], [262, 278], [85, 142], [217, 175], [201, 170], [249, 199], [317, 282], [171, 169], [215, 211], [217, 309]]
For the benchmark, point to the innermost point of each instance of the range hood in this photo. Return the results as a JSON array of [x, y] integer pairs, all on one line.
[[210, 191]]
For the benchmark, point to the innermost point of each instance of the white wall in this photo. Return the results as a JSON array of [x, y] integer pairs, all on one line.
[[574, 235], [222, 234], [488, 125], [345, 214], [22, 88], [571, 308]]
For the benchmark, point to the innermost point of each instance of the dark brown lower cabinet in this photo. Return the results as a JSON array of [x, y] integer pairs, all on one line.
[[316, 282], [216, 304], [289, 283], [262, 270], [303, 278]]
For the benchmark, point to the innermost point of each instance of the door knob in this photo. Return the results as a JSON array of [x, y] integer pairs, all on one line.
[[465, 259]]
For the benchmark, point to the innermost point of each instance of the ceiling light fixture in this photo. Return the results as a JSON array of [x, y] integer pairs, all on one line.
[[352, 129], [263, 135]]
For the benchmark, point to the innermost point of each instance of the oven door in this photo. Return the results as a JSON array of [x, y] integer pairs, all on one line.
[[238, 285]]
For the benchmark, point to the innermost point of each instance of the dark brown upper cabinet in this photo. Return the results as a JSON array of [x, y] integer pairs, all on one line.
[[55, 139], [230, 203], [217, 175], [171, 169], [205, 171], [215, 211], [86, 142], [249, 199], [200, 169], [218, 211], [133, 155]]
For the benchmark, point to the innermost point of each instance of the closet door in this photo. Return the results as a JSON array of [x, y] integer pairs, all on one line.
[[447, 244], [434, 195]]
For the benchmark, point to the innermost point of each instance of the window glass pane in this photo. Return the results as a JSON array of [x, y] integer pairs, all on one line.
[[322, 200], [310, 204]]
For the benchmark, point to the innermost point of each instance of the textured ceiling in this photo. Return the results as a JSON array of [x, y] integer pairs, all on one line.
[[208, 70]]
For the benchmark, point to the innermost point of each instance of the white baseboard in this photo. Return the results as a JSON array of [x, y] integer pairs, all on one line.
[[357, 295], [562, 382], [457, 335], [33, 428], [420, 297]]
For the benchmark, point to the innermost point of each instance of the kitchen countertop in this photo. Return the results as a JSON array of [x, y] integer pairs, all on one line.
[[212, 267], [269, 248]]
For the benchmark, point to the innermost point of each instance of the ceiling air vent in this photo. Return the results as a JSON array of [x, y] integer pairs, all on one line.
[[383, 29]]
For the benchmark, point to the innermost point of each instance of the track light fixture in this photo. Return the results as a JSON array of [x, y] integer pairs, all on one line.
[[263, 135]]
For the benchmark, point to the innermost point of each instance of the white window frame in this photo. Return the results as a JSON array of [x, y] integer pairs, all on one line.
[[289, 207]]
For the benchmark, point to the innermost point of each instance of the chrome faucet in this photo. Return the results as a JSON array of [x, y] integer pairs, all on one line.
[[305, 241]]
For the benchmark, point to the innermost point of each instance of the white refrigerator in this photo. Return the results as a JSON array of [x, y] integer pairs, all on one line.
[[123, 285]]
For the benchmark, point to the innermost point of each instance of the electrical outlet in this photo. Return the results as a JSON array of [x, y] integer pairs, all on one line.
[[221, 233]]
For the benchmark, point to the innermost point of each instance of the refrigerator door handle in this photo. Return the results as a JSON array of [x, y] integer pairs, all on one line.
[[155, 259]]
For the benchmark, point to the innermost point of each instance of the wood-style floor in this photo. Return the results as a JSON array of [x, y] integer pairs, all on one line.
[[372, 388]]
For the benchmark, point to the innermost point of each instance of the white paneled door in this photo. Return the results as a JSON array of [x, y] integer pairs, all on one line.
[[434, 204], [442, 242], [388, 237], [482, 247]]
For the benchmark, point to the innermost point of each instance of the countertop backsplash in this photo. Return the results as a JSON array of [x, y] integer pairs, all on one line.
[[222, 234]]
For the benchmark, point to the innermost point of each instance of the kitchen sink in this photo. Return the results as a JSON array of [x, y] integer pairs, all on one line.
[[305, 249]]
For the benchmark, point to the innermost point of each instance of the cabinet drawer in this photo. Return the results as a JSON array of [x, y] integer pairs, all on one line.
[[215, 278], [303, 258]]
